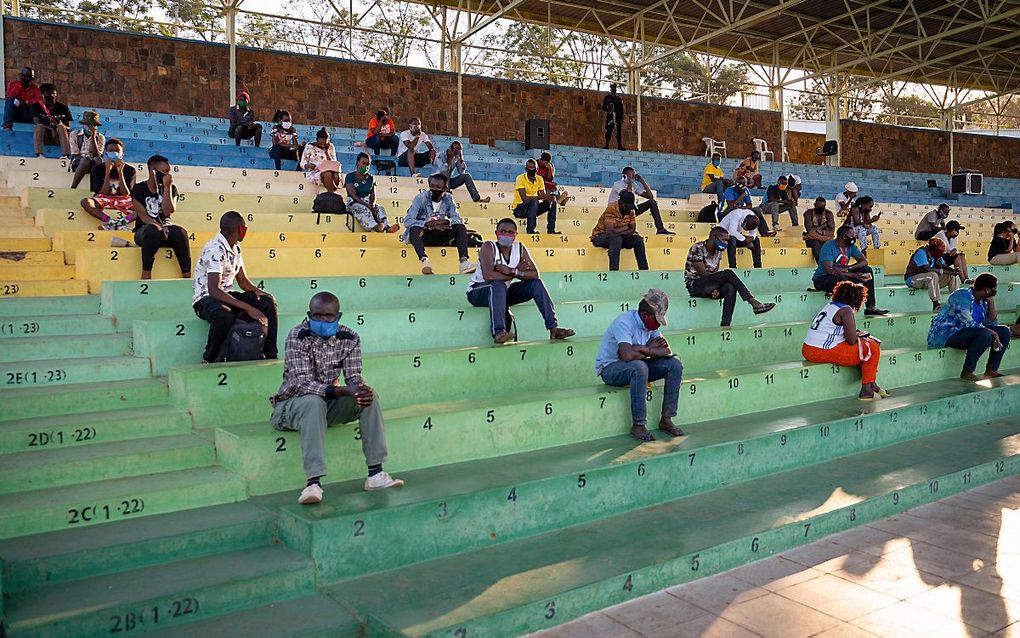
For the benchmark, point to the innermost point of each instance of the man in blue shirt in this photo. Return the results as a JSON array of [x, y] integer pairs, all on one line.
[[634, 352], [737, 197], [927, 269], [834, 266]]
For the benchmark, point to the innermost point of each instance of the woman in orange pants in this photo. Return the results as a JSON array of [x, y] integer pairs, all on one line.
[[833, 338]]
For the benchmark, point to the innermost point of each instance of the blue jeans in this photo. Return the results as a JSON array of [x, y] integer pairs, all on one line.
[[975, 341], [637, 374], [531, 209], [376, 143], [497, 295], [21, 114]]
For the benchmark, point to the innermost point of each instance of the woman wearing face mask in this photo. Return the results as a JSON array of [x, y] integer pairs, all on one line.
[[819, 226], [285, 141], [319, 162], [833, 338], [242, 121], [748, 169], [968, 321], [360, 187], [433, 220], [1005, 248]]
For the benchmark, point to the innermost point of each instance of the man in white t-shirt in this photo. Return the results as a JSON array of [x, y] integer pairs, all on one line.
[[953, 257], [743, 230], [415, 148], [846, 199], [215, 299]]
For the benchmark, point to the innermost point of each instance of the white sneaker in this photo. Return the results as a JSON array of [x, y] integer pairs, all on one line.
[[426, 266], [466, 267], [311, 495], [381, 481]]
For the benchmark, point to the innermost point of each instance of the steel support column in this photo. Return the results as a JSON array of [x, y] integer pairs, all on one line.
[[457, 59], [230, 12], [634, 87], [833, 113], [948, 123], [3, 51]]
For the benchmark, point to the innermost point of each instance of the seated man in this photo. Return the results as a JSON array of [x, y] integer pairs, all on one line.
[[242, 121], [453, 160], [704, 279], [742, 228], [111, 183], [312, 398], [531, 199], [155, 201], [737, 197], [834, 266], [22, 96], [636, 184], [863, 222], [52, 122], [778, 200], [633, 352], [215, 299], [968, 321], [819, 226], [361, 202], [617, 228], [927, 270], [748, 169], [415, 148], [86, 145], [433, 220], [846, 199], [382, 133], [932, 223], [713, 180], [500, 262], [953, 257]]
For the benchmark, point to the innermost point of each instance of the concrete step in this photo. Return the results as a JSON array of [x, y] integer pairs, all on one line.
[[32, 402], [35, 273], [17, 327], [96, 370], [20, 287], [314, 616], [25, 243], [64, 347]]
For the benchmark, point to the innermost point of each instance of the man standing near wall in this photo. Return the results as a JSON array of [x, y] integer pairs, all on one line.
[[612, 106]]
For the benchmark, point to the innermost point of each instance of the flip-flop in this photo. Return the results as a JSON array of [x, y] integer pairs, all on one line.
[[871, 398], [643, 436], [762, 309], [672, 430]]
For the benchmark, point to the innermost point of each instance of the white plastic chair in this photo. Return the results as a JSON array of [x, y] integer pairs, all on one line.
[[762, 147], [714, 146]]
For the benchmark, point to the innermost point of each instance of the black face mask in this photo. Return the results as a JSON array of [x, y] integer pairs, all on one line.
[[436, 194], [159, 176], [850, 240], [50, 99], [531, 173]]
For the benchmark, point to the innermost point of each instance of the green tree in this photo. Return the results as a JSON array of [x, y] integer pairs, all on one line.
[[909, 110], [193, 19], [403, 26], [692, 76]]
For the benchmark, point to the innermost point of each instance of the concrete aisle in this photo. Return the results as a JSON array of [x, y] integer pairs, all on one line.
[[946, 569]]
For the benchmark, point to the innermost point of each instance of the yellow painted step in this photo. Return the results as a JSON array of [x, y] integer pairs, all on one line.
[[11, 288], [26, 232], [25, 243], [16, 222], [31, 258], [32, 273]]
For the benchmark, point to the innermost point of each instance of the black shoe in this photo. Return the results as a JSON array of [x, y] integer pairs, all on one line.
[[663, 231], [875, 312], [553, 232]]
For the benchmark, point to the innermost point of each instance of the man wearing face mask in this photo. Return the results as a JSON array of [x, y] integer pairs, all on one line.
[[111, 183], [155, 201], [713, 180], [492, 286], [932, 223], [634, 352], [777, 200], [834, 266], [416, 147], [737, 198], [242, 121], [87, 146], [819, 226], [320, 350], [617, 229], [452, 161], [22, 95], [382, 133], [433, 220], [637, 185], [215, 299], [531, 199], [52, 122], [704, 279]]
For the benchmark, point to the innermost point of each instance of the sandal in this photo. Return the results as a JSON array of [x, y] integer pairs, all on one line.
[[762, 309], [558, 334], [645, 436], [671, 429]]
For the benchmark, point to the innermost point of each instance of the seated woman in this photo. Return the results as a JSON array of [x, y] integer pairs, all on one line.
[[819, 227], [319, 162], [833, 337], [547, 170], [1004, 249], [360, 186], [967, 321], [285, 141], [748, 169]]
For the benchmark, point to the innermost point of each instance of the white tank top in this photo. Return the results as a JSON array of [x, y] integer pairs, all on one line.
[[822, 333], [515, 259]]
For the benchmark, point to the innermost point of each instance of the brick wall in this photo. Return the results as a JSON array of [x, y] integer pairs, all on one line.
[[178, 76], [803, 147]]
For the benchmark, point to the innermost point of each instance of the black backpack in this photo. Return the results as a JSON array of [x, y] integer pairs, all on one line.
[[707, 214], [245, 341], [329, 203]]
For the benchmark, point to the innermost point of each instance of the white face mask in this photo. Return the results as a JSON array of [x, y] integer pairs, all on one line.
[[285, 124]]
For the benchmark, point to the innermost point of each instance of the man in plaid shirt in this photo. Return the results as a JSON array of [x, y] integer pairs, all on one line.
[[311, 398]]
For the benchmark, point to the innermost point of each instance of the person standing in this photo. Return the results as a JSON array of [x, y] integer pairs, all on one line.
[[704, 279], [612, 106], [968, 321], [242, 121], [531, 199], [155, 201], [636, 184], [617, 229], [22, 96], [433, 220], [320, 350], [633, 353]]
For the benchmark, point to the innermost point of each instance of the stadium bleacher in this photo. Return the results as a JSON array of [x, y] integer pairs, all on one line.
[[143, 492]]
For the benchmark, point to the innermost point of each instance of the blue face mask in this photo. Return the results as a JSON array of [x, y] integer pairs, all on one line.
[[720, 244], [114, 155], [324, 329], [716, 163], [505, 240]]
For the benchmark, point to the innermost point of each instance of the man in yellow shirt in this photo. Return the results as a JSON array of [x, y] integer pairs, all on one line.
[[531, 199], [713, 180], [617, 228]]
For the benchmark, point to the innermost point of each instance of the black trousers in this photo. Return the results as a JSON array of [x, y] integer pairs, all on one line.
[[612, 124], [828, 282], [420, 237], [151, 240], [728, 285], [614, 243], [221, 318], [755, 248]]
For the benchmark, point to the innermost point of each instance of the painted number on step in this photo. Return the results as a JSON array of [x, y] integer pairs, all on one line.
[[9, 289], [61, 437], [36, 376], [25, 328], [105, 512], [550, 609], [132, 621], [281, 444]]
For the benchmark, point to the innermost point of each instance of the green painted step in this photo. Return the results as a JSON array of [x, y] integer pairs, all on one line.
[[314, 616], [547, 579], [131, 300], [21, 326], [28, 402], [52, 372], [43, 559], [463, 506], [39, 470], [89, 428], [77, 506], [40, 306], [431, 434], [66, 347], [152, 598]]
